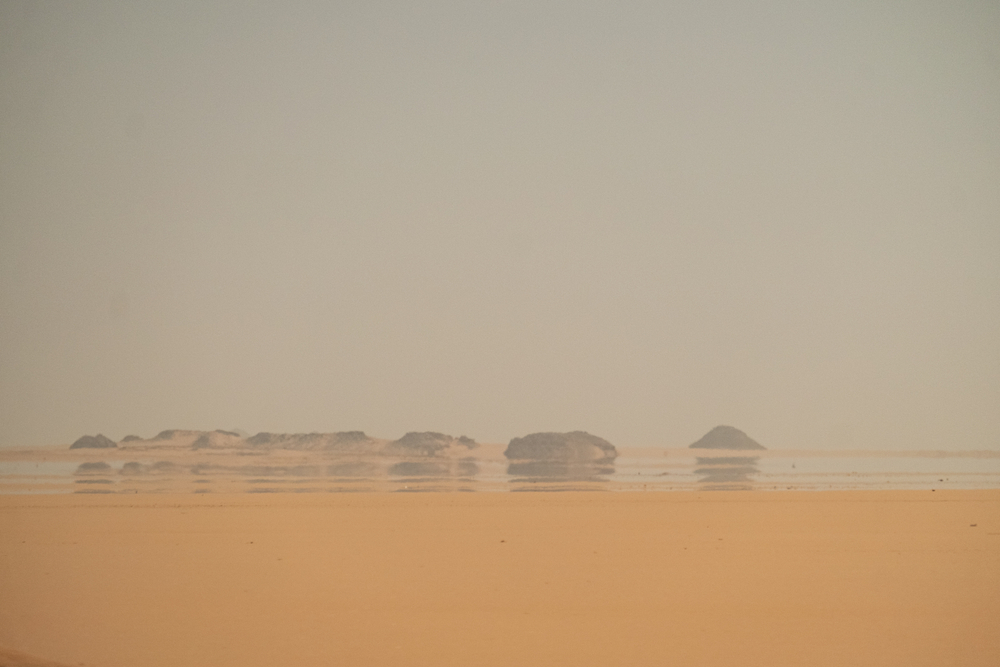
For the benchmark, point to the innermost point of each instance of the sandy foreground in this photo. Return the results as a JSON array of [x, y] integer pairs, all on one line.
[[723, 578]]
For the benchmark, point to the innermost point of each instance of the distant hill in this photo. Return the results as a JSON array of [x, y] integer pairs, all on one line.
[[414, 444], [428, 443], [217, 440], [572, 446], [344, 441], [726, 437], [93, 441]]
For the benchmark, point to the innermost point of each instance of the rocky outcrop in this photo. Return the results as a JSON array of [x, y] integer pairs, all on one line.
[[175, 433], [271, 440], [414, 444], [573, 446], [343, 441], [93, 442], [169, 439], [428, 443], [726, 437], [350, 441], [217, 440]]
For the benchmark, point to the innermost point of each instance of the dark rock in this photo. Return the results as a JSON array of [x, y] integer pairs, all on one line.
[[264, 439], [344, 440], [217, 440], [93, 441], [349, 441], [726, 437], [573, 446], [351, 436], [427, 443]]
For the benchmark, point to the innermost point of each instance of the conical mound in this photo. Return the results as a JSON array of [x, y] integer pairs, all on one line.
[[726, 437]]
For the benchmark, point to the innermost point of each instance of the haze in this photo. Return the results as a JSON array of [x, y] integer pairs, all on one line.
[[637, 220]]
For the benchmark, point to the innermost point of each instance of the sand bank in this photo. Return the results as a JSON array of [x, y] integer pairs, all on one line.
[[725, 578]]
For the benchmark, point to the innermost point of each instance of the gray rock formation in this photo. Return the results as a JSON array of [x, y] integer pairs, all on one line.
[[427, 443], [573, 446], [217, 440], [346, 441], [93, 441], [726, 437], [170, 439]]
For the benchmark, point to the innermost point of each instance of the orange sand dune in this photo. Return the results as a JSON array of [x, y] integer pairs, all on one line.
[[726, 578]]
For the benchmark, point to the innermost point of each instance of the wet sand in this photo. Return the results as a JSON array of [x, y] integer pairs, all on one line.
[[721, 578]]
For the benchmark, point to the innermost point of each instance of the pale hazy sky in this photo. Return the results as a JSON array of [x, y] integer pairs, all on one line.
[[492, 218]]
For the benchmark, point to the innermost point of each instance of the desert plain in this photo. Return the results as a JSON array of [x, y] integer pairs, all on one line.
[[576, 578]]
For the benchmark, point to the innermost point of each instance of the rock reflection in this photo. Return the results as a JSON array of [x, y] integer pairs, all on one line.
[[419, 469], [726, 473], [465, 468], [135, 469], [353, 469], [93, 468], [560, 471], [560, 475], [560, 462]]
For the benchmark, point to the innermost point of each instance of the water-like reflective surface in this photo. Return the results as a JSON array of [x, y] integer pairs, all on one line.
[[632, 470], [726, 473]]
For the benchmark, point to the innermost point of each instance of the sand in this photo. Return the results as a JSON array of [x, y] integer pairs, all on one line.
[[726, 578]]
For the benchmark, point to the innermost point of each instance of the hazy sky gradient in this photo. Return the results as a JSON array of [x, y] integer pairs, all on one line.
[[639, 220]]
